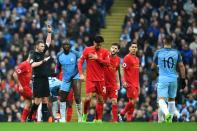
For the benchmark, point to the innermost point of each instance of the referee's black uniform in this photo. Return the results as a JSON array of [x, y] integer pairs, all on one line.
[[40, 76]]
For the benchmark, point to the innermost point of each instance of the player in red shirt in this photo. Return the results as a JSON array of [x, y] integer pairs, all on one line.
[[96, 58], [22, 76], [131, 79], [111, 79]]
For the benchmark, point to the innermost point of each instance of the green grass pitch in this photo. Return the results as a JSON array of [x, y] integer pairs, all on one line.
[[98, 127]]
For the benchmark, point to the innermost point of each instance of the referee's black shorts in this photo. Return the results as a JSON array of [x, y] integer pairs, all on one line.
[[41, 87]]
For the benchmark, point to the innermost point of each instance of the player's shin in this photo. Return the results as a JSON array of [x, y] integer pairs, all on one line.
[[32, 111], [129, 106], [79, 111], [55, 109], [24, 115], [160, 116], [39, 113], [163, 106], [115, 112], [69, 112], [45, 112], [171, 107], [99, 110], [63, 111]]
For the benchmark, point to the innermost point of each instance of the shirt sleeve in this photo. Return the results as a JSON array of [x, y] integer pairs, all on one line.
[[125, 67], [125, 64], [20, 69]]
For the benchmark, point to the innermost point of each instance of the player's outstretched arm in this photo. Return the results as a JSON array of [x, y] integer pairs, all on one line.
[[15, 76], [49, 31], [182, 74]]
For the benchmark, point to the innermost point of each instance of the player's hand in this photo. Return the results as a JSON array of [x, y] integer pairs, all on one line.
[[183, 83], [49, 28], [46, 59], [82, 77], [125, 84], [93, 56], [21, 88]]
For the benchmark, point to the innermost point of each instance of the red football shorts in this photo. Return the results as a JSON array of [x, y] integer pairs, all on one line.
[[132, 92], [27, 92], [70, 95], [111, 92], [95, 86]]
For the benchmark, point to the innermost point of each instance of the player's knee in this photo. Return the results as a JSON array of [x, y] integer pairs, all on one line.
[[100, 99], [88, 97], [161, 98], [78, 100], [37, 101], [114, 102], [28, 104], [45, 100], [69, 104], [171, 99], [63, 96]]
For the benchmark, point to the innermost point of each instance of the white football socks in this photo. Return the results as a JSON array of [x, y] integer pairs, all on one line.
[[63, 111], [79, 112], [163, 106]]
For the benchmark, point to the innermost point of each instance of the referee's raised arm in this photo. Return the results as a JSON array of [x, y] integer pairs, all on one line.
[[49, 31]]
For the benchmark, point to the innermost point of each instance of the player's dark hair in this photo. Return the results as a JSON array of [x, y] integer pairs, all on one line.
[[66, 42], [116, 44], [134, 42], [98, 39], [168, 39], [38, 42]]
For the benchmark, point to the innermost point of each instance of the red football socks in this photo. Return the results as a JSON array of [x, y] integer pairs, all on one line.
[[24, 115], [99, 111], [86, 106], [115, 112], [69, 113], [128, 107]]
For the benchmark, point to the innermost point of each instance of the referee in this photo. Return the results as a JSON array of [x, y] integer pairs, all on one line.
[[40, 77]]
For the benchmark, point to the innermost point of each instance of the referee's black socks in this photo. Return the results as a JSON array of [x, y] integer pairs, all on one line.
[[33, 109], [45, 112]]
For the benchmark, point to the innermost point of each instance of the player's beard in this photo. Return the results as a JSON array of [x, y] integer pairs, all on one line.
[[113, 53], [66, 51]]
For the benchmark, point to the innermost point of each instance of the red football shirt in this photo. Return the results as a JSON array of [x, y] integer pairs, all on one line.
[[131, 70], [24, 72], [94, 68], [111, 69]]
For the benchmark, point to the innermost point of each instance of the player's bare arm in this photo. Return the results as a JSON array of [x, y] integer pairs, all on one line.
[[154, 71], [17, 81], [48, 40], [182, 74]]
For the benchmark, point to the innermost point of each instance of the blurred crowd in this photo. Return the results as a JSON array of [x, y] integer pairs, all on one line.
[[147, 21]]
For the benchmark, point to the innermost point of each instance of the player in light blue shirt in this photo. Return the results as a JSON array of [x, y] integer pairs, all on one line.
[[167, 60], [67, 62]]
